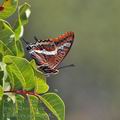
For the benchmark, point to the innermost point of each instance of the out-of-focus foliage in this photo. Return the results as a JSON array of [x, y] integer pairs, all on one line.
[[9, 7]]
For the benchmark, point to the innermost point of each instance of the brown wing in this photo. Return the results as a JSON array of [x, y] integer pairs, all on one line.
[[41, 51], [63, 44], [51, 52]]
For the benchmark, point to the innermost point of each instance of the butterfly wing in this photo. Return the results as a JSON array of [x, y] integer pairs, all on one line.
[[41, 51], [51, 52], [63, 44]]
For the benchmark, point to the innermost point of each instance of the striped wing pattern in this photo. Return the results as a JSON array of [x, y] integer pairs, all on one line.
[[49, 53]]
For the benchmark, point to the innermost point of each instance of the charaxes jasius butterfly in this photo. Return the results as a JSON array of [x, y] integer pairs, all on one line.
[[49, 53]]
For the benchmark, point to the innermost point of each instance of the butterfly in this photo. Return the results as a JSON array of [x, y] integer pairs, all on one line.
[[49, 53]]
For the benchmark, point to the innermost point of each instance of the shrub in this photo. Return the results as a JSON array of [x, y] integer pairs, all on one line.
[[23, 89]]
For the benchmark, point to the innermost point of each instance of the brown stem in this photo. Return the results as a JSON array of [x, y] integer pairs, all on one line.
[[22, 92]]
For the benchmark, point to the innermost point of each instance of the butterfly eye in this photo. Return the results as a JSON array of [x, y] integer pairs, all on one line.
[[28, 47]]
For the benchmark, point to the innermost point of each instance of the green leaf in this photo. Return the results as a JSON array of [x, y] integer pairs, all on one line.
[[23, 108], [33, 64], [40, 86], [20, 50], [55, 104], [10, 78], [9, 7], [24, 12], [1, 92], [8, 108], [18, 29], [7, 39], [23, 16], [22, 69], [37, 112]]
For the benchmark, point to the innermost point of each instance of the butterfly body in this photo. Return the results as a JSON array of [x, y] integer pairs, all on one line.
[[49, 53]]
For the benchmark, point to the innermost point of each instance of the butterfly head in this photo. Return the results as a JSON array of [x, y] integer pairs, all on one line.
[[28, 47]]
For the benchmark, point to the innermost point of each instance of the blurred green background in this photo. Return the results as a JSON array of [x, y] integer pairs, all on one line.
[[91, 90]]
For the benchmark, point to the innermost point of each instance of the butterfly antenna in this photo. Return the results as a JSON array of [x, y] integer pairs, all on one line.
[[36, 39], [66, 66], [25, 41]]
